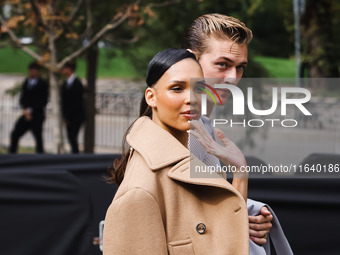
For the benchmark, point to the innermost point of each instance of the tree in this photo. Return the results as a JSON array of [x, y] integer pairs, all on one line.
[[320, 31], [62, 33]]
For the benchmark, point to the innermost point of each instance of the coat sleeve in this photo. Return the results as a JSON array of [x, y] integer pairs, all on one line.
[[133, 225], [276, 234]]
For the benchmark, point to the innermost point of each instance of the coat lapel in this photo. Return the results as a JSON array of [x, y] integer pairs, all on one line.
[[168, 151], [184, 170], [158, 153]]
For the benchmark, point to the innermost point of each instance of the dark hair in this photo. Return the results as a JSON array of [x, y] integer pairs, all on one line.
[[71, 65], [34, 65], [158, 65]]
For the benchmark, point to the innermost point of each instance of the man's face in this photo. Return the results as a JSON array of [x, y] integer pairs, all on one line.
[[33, 73], [66, 71], [223, 62]]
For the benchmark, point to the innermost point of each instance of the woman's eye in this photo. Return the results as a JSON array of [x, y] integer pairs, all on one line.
[[176, 88]]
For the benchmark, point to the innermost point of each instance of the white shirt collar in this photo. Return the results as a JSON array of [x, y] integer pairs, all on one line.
[[71, 79], [32, 82]]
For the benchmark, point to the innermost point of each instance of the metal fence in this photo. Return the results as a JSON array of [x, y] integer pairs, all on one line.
[[114, 113]]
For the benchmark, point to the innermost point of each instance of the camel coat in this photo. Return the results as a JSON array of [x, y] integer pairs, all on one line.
[[159, 209]]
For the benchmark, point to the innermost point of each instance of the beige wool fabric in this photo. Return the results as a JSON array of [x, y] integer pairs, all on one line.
[[158, 207]]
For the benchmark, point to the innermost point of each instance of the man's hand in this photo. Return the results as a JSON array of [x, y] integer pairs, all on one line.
[[260, 225], [27, 114], [228, 153]]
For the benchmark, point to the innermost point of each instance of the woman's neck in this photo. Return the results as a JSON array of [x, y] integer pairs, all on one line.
[[181, 136]]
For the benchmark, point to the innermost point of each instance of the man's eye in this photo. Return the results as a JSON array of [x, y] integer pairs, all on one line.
[[198, 89], [222, 64], [241, 68]]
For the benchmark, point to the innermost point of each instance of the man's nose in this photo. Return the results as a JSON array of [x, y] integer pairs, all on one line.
[[230, 76]]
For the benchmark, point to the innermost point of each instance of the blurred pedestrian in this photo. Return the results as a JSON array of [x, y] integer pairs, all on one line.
[[33, 100], [73, 112]]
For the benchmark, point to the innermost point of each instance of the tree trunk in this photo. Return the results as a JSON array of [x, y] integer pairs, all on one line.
[[56, 114], [58, 138], [92, 59], [317, 33]]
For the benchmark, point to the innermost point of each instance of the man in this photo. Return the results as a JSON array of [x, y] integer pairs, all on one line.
[[220, 45], [72, 104], [33, 100]]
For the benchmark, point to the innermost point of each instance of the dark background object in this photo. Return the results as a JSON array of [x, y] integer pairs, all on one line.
[[52, 204]]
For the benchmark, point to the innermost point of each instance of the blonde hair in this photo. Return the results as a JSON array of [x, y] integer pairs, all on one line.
[[215, 25]]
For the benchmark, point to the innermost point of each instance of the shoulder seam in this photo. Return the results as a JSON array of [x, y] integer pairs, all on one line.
[[145, 191]]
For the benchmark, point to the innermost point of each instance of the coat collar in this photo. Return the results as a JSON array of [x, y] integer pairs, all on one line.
[[184, 170], [168, 151], [158, 153]]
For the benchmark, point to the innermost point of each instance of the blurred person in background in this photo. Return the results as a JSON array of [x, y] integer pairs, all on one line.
[[33, 101], [72, 98]]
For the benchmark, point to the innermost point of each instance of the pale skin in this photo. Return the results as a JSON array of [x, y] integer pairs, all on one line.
[[27, 113], [224, 62], [172, 96]]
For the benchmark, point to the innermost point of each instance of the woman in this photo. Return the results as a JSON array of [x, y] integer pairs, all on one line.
[[158, 208]]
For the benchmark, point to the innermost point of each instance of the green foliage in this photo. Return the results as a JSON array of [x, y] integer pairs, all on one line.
[[118, 66], [121, 65], [272, 36], [13, 60], [272, 23], [21, 150], [163, 29], [277, 67], [111, 63], [167, 28], [14, 90], [321, 40]]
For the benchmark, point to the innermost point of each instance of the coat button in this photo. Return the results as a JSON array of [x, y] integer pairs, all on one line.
[[200, 228]]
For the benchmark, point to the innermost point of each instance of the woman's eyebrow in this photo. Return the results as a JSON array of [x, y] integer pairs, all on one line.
[[177, 81]]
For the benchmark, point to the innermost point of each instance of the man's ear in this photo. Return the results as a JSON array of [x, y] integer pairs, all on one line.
[[193, 52], [150, 97]]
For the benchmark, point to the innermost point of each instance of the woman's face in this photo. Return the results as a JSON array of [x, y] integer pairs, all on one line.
[[174, 100]]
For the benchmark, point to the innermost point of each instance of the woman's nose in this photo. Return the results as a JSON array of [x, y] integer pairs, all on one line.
[[188, 97]]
